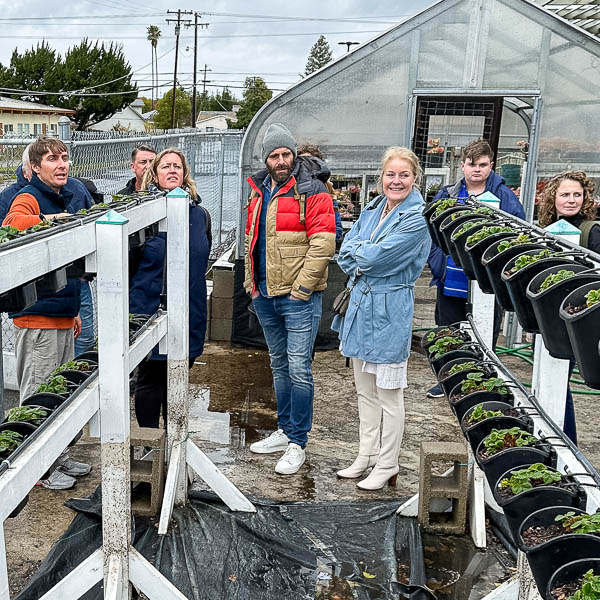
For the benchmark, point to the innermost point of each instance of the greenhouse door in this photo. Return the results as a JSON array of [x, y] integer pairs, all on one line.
[[446, 124]]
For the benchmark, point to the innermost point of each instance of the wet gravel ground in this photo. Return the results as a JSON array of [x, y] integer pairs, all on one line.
[[232, 405]]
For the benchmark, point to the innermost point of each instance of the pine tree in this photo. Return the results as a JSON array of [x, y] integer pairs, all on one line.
[[320, 55]]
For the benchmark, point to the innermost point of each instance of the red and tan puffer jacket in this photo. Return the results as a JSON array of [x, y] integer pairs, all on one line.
[[300, 232]]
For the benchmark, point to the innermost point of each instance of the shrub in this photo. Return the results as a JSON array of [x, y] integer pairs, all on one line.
[[480, 414], [27, 413], [443, 345], [527, 259], [501, 439], [522, 238], [9, 440], [524, 479], [56, 384], [486, 232]]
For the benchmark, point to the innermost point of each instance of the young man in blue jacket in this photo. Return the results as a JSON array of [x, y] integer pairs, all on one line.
[[450, 279]]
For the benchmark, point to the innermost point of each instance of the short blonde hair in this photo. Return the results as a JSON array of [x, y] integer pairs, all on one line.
[[151, 174], [405, 154]]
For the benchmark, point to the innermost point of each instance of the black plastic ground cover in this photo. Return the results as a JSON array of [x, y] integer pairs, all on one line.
[[286, 551]]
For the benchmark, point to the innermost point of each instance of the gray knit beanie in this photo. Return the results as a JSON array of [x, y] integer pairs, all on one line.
[[277, 136]]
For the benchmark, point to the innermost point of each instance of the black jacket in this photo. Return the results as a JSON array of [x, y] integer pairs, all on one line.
[[128, 189]]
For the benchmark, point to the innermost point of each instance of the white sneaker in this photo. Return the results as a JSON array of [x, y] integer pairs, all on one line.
[[291, 461], [276, 442], [57, 481]]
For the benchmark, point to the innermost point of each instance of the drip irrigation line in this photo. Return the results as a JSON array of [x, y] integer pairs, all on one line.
[[591, 470]]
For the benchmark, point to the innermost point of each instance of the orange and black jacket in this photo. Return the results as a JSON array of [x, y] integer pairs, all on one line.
[[300, 234]]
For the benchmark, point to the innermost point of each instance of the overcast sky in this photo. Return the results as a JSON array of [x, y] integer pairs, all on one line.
[[267, 39]]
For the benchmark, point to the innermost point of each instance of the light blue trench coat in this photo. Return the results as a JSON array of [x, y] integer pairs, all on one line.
[[378, 323]]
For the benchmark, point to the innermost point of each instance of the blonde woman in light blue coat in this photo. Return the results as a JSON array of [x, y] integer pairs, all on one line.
[[383, 254]]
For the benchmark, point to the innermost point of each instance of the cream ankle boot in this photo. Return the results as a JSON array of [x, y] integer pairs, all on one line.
[[358, 467], [378, 477]]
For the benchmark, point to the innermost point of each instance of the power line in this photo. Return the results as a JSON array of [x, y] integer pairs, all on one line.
[[205, 37]]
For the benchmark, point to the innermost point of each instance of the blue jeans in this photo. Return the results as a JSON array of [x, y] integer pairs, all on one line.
[[290, 327], [86, 312]]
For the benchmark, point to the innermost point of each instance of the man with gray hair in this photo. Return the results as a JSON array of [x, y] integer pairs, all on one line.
[[290, 238]]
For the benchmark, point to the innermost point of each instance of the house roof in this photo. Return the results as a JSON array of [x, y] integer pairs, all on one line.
[[203, 115], [22, 106]]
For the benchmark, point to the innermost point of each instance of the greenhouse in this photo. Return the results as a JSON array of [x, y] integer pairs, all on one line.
[[509, 71]]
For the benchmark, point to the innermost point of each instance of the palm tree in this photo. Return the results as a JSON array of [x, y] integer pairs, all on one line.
[[153, 32]]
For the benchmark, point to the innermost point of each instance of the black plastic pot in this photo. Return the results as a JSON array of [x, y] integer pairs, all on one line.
[[469, 350], [19, 298], [435, 222], [518, 508], [91, 355], [76, 377], [51, 283], [583, 329], [571, 572], [25, 429], [476, 432], [450, 382], [436, 331], [49, 411], [546, 306], [494, 261], [461, 406], [44, 399], [475, 254], [451, 223], [516, 284], [547, 557], [494, 466], [457, 242]]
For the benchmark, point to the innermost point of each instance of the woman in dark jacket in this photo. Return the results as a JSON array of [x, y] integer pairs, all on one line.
[[570, 196], [168, 171]]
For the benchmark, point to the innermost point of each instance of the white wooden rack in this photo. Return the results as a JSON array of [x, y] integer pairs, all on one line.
[[104, 403]]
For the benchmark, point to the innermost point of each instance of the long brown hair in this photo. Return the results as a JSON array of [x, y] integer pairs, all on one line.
[[151, 175], [547, 207]]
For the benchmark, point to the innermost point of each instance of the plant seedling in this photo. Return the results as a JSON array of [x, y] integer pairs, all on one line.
[[9, 440], [501, 439], [522, 238], [443, 345], [590, 588], [56, 384], [72, 365], [476, 382], [592, 297], [480, 210], [27, 413], [526, 259], [430, 336], [464, 228], [460, 367], [8, 233], [480, 414], [444, 205], [524, 479], [583, 523], [555, 278], [486, 232]]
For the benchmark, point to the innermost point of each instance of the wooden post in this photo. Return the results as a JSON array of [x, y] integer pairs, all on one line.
[[178, 210], [113, 354]]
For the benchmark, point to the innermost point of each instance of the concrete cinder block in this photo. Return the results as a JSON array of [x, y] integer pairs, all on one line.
[[222, 308], [220, 330], [453, 487], [150, 470], [223, 283]]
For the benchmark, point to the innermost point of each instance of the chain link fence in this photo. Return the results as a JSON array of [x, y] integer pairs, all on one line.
[[105, 158]]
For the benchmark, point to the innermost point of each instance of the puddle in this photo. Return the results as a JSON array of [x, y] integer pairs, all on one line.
[[456, 569], [234, 402]]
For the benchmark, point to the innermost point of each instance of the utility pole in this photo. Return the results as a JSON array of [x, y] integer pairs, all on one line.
[[196, 25], [205, 81], [177, 32]]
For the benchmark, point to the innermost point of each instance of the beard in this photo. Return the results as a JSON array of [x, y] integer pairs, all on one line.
[[281, 175]]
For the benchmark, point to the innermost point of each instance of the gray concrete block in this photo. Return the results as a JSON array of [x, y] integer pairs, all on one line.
[[223, 283], [222, 308], [220, 330], [149, 470], [453, 487]]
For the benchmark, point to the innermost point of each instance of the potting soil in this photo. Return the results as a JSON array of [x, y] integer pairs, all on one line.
[[286, 551]]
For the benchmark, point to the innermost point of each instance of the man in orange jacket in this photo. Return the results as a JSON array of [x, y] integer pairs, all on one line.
[[290, 238]]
